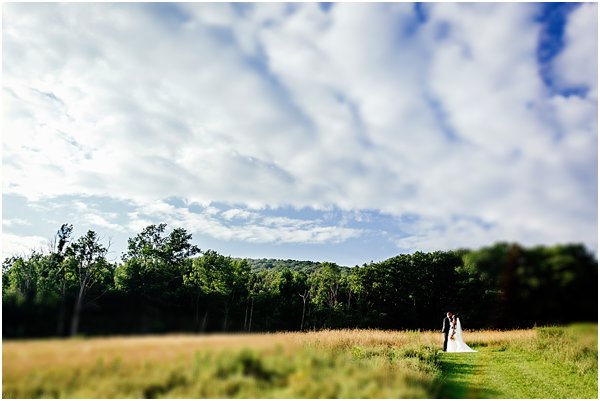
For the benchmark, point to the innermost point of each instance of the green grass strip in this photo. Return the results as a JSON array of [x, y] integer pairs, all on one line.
[[501, 372]]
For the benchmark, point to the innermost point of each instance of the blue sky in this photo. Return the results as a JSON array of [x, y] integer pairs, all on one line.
[[341, 132]]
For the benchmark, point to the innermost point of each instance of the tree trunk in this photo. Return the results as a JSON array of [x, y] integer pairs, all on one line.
[[144, 325], [60, 321], [226, 316], [304, 298], [204, 321], [303, 310], [251, 310], [60, 324], [77, 313], [197, 320], [246, 316]]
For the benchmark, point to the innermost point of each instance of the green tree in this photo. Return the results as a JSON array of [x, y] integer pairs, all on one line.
[[219, 277], [325, 290], [260, 292], [155, 261], [20, 277], [59, 277], [152, 271], [87, 259]]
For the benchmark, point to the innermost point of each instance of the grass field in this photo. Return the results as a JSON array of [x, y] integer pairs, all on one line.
[[556, 363], [541, 363]]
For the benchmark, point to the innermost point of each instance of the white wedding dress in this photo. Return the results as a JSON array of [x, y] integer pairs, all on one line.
[[457, 345]]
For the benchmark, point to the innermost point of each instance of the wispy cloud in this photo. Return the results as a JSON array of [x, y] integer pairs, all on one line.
[[23, 244], [574, 67], [434, 111], [240, 225]]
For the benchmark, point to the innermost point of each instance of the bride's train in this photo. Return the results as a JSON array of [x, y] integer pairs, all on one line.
[[457, 344]]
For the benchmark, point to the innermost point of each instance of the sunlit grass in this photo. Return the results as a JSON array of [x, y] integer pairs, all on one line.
[[324, 364], [554, 362], [346, 363]]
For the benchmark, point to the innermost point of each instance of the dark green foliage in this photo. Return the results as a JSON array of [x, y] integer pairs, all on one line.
[[279, 264], [521, 287], [152, 273], [219, 280], [86, 260], [163, 285]]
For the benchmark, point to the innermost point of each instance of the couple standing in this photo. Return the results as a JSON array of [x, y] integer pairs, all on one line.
[[452, 330]]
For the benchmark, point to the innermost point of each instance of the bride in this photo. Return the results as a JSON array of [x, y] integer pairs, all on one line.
[[455, 340]]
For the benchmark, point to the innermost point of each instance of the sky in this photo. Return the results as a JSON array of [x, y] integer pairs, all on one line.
[[342, 132]]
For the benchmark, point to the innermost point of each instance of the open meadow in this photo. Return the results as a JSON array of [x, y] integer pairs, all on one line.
[[556, 362]]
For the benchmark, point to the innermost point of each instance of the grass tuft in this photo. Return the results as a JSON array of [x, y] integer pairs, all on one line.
[[324, 364]]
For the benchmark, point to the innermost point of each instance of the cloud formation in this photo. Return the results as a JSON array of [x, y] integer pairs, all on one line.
[[240, 225], [437, 111]]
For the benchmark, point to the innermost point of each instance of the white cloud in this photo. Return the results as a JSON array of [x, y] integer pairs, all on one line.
[[577, 64], [358, 108], [446, 234], [15, 221], [100, 221], [253, 227], [232, 214], [22, 244]]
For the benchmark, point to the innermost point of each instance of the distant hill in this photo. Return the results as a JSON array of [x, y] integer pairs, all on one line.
[[279, 264]]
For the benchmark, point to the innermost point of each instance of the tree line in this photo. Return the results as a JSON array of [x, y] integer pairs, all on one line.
[[164, 283]]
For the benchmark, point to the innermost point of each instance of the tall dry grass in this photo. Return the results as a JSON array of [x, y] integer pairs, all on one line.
[[322, 364]]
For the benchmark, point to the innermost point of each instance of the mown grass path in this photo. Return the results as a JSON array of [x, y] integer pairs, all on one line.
[[498, 372]]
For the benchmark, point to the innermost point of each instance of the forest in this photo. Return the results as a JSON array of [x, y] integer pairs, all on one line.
[[164, 283]]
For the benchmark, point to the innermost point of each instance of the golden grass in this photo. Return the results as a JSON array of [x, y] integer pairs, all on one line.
[[322, 364], [28, 354]]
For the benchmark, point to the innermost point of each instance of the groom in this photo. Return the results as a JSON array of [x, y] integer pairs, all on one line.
[[446, 328]]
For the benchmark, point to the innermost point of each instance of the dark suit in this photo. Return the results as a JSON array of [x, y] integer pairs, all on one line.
[[446, 330]]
